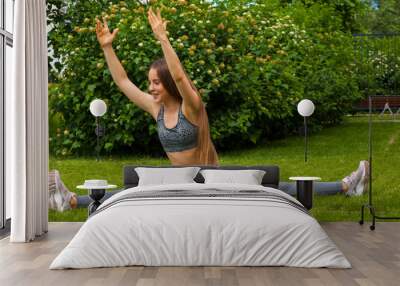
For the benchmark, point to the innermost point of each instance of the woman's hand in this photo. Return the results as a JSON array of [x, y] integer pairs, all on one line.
[[158, 25], [104, 36]]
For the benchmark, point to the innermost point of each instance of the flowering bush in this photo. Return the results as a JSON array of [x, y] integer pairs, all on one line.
[[378, 63], [252, 63]]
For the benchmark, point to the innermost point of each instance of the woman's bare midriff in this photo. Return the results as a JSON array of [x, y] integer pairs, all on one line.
[[187, 157]]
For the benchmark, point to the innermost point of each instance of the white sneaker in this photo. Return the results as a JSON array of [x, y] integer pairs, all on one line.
[[364, 180], [59, 195], [351, 182], [357, 179]]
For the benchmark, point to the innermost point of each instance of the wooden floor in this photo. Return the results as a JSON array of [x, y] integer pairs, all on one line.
[[374, 255]]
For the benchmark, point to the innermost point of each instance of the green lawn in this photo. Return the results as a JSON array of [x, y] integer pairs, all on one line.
[[333, 154]]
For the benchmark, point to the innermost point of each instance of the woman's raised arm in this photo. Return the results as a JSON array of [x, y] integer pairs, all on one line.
[[191, 99], [118, 73]]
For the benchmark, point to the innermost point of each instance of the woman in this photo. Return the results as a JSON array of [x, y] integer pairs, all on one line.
[[173, 101], [182, 121]]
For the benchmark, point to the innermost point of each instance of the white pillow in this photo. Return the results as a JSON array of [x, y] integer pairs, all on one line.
[[163, 176], [248, 177]]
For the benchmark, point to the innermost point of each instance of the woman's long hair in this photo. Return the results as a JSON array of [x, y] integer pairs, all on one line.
[[207, 154]]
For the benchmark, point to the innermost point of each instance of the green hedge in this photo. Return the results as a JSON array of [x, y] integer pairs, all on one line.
[[252, 62]]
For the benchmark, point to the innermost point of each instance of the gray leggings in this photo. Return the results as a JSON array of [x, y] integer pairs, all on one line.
[[320, 188]]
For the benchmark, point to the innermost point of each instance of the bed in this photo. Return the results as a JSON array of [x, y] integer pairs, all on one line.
[[201, 223]]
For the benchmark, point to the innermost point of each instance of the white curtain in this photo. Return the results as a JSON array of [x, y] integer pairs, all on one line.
[[27, 124]]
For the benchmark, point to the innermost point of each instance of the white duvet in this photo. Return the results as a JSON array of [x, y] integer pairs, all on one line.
[[183, 231]]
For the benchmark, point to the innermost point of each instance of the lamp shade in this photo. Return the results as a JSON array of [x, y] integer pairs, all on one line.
[[98, 107], [305, 107]]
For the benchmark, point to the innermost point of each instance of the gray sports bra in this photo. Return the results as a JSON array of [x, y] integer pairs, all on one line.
[[179, 138]]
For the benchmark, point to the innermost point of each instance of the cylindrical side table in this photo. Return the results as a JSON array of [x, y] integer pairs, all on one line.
[[304, 189], [96, 193]]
